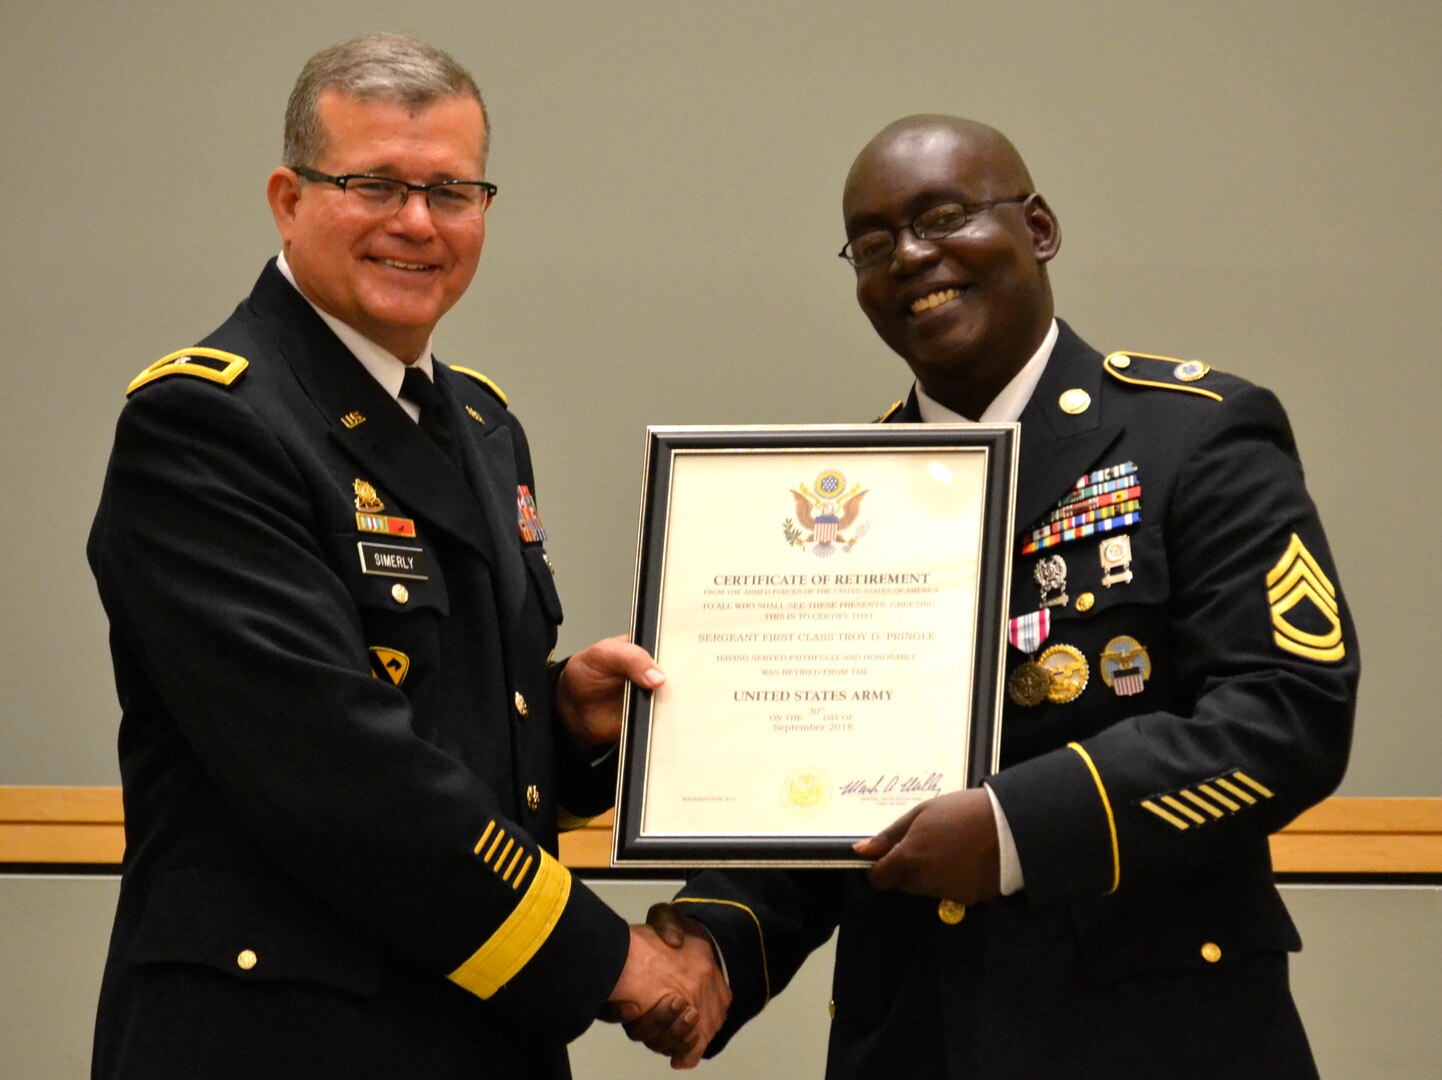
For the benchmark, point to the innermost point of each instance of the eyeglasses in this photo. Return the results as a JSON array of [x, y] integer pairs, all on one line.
[[875, 247], [449, 200]]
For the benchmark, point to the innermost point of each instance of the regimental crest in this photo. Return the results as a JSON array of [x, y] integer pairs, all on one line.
[[366, 499], [1306, 619], [824, 515]]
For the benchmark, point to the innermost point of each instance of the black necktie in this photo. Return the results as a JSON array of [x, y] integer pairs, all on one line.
[[435, 420]]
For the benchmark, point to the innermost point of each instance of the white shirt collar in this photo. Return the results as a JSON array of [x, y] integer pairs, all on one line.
[[1007, 406], [384, 366]]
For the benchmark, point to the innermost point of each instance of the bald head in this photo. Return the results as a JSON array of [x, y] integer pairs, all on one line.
[[953, 243]]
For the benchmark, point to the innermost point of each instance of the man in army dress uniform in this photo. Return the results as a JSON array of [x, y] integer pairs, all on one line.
[[1183, 676], [345, 749]]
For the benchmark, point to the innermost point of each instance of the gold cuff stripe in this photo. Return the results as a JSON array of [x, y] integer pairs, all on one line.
[[511, 869], [501, 835], [1208, 807], [1111, 821], [505, 851], [1114, 373], [1177, 804], [1223, 782], [760, 934], [1169, 818], [525, 868], [525, 930], [482, 841], [1214, 793], [176, 363], [1258, 788]]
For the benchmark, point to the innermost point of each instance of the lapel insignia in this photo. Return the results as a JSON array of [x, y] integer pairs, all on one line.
[[352, 420], [1125, 665], [390, 665], [1116, 556], [529, 521], [474, 415], [1075, 401], [1068, 670], [1100, 502], [366, 499], [1298, 581], [390, 526], [1050, 574]]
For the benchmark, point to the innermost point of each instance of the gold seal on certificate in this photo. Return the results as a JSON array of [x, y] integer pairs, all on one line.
[[826, 604]]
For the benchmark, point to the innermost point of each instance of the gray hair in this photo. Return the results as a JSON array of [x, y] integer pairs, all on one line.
[[378, 67]]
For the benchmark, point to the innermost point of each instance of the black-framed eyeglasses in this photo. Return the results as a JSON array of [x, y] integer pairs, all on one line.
[[452, 200], [875, 246]]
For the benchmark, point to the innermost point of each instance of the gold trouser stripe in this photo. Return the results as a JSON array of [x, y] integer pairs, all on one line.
[[761, 936], [1214, 793], [1258, 788], [1169, 818], [525, 868], [1111, 821], [490, 827], [1178, 805], [1223, 782], [525, 930], [1208, 807]]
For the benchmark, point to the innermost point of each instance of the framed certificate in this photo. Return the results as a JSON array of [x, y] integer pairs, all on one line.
[[827, 605]]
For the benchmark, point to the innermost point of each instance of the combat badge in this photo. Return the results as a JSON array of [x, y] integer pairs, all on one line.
[[1125, 665], [1050, 574], [1068, 670], [1116, 556], [527, 518]]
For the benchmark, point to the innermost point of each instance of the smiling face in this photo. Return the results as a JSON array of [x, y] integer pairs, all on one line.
[[965, 311], [389, 277]]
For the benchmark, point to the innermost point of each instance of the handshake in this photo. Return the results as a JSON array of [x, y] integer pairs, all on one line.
[[672, 995]]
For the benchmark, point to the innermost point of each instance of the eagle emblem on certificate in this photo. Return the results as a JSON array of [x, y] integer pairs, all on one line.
[[824, 513]]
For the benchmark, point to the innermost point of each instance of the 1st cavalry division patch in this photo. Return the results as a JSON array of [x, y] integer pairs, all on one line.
[[1297, 589]]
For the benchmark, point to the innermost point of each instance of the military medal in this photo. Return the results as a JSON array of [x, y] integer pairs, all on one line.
[[1050, 574], [528, 520], [1029, 682], [1068, 670], [1125, 665], [1116, 556]]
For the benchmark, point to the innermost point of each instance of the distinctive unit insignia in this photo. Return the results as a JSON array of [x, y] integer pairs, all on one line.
[[1297, 582], [825, 515], [366, 499], [389, 664], [1125, 665], [527, 518]]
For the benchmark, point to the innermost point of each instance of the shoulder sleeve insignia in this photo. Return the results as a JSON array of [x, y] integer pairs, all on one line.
[[494, 390], [1305, 617], [889, 413], [1206, 802], [213, 365], [1170, 370]]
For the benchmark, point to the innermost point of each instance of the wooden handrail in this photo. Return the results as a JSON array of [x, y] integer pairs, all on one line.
[[84, 826]]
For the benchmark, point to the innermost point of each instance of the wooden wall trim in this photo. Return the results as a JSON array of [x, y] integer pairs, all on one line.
[[84, 826]]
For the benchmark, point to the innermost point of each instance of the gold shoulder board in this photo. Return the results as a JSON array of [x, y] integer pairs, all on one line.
[[1174, 374], [884, 417], [496, 391], [213, 365]]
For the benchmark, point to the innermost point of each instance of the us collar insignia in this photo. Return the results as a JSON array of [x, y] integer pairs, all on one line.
[[529, 521], [1125, 665], [1100, 502], [366, 499], [474, 414], [352, 420], [389, 526]]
